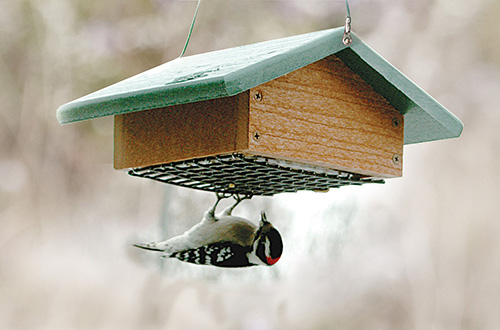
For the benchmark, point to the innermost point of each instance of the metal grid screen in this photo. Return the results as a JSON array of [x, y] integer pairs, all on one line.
[[248, 175]]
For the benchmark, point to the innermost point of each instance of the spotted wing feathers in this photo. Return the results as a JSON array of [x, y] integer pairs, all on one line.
[[223, 254]]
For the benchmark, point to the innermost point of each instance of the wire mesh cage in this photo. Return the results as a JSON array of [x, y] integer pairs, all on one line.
[[249, 175]]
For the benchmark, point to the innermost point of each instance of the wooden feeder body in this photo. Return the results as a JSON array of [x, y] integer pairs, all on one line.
[[322, 114], [304, 109]]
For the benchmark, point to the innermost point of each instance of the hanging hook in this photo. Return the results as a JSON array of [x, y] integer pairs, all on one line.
[[347, 38]]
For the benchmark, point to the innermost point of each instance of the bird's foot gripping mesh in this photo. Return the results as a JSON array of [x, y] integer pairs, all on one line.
[[249, 175]]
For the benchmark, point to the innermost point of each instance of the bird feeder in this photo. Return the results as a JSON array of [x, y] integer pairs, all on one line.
[[300, 113]]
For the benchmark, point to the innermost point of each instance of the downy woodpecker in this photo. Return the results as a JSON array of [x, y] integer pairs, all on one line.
[[224, 240]]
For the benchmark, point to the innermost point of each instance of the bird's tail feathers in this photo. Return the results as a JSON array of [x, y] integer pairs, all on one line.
[[152, 246], [168, 255]]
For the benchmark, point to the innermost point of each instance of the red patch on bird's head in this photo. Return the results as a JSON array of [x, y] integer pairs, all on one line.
[[271, 261]]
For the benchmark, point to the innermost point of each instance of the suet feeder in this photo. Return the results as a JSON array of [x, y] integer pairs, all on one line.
[[300, 113]]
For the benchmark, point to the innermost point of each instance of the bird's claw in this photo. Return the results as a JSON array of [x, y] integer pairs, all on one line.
[[221, 195], [242, 197]]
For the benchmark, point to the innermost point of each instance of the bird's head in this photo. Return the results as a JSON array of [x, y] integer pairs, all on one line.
[[268, 245]]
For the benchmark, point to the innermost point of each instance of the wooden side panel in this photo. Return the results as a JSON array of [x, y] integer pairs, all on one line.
[[181, 132], [325, 114]]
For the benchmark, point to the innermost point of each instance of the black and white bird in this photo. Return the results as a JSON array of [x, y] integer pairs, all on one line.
[[224, 240]]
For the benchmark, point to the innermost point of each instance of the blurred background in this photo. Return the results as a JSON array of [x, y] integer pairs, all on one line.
[[420, 252]]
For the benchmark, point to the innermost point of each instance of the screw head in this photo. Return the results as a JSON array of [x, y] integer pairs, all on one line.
[[256, 136], [396, 159], [258, 96]]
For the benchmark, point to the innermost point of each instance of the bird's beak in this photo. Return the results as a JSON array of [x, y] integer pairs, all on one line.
[[263, 218]]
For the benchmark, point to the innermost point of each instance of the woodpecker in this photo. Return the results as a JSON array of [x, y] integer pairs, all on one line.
[[224, 240]]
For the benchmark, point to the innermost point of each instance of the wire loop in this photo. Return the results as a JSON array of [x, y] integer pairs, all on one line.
[[347, 38]]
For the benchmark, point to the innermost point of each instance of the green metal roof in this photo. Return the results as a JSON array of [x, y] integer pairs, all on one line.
[[231, 71]]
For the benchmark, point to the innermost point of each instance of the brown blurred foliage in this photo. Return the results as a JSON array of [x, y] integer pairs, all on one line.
[[421, 252]]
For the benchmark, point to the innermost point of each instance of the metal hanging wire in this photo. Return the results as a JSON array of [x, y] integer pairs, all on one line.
[[191, 29], [346, 39]]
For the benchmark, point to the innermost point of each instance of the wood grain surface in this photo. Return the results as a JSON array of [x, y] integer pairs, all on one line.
[[325, 114], [181, 132]]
